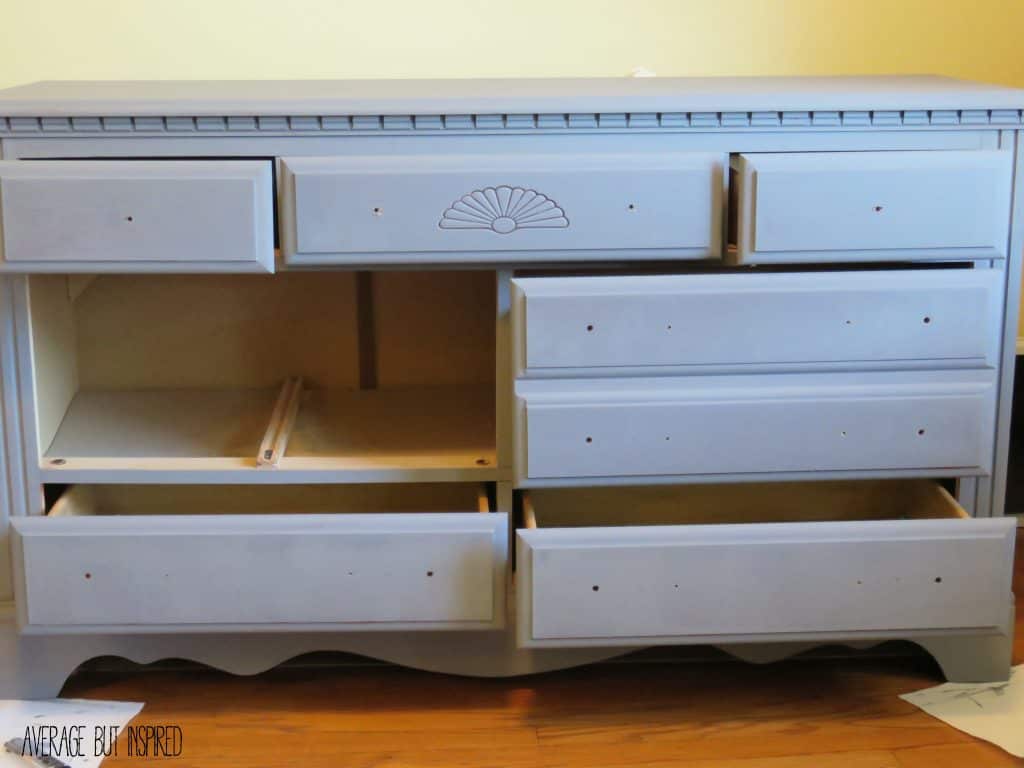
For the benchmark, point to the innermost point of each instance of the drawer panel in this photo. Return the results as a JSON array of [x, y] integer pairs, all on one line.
[[729, 319], [134, 216], [845, 206], [109, 559], [698, 564], [788, 423], [451, 208]]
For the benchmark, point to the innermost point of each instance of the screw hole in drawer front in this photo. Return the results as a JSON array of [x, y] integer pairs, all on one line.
[[642, 550], [164, 546]]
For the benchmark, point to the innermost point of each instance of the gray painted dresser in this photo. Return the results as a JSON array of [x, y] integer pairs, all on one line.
[[498, 376]]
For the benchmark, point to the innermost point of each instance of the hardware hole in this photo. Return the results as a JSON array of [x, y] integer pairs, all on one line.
[[920, 431], [88, 575], [595, 588], [843, 433], [378, 211], [849, 322], [631, 207], [938, 579], [878, 209], [667, 438], [590, 439], [926, 320], [668, 327], [590, 328], [58, 462], [129, 219], [430, 573], [482, 462], [859, 581]]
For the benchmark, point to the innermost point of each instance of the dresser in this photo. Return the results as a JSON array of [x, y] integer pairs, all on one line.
[[492, 377]]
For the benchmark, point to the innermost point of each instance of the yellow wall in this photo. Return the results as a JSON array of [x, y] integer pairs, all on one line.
[[137, 39], [248, 39]]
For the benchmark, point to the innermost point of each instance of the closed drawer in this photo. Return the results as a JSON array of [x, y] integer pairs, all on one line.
[[452, 208], [207, 558], [772, 561], [941, 315], [137, 216], [719, 425], [849, 206]]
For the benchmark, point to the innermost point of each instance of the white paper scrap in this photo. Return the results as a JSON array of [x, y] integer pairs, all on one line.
[[990, 711], [79, 726]]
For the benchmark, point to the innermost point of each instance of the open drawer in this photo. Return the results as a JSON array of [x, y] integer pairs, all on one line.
[[750, 562], [137, 216], [206, 558]]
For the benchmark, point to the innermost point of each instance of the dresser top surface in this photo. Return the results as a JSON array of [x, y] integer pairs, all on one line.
[[483, 96]]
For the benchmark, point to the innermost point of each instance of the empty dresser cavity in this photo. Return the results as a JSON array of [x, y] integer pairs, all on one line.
[[797, 319], [845, 206], [500, 207], [201, 558], [137, 216], [736, 563], [929, 421]]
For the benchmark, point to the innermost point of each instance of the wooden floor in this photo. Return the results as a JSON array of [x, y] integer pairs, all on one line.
[[817, 711]]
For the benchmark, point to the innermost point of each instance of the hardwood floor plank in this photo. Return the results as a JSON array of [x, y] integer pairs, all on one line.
[[978, 754], [858, 759]]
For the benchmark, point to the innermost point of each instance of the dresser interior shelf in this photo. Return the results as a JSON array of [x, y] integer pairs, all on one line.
[[283, 378]]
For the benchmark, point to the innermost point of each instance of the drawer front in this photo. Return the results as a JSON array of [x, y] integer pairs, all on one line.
[[726, 425], [789, 319], [135, 216], [841, 206], [351, 572], [703, 583], [525, 207]]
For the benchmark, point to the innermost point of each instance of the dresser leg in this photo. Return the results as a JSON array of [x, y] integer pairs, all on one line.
[[979, 659], [33, 667]]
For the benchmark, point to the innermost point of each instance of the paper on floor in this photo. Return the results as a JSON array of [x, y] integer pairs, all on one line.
[[990, 711], [65, 715]]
